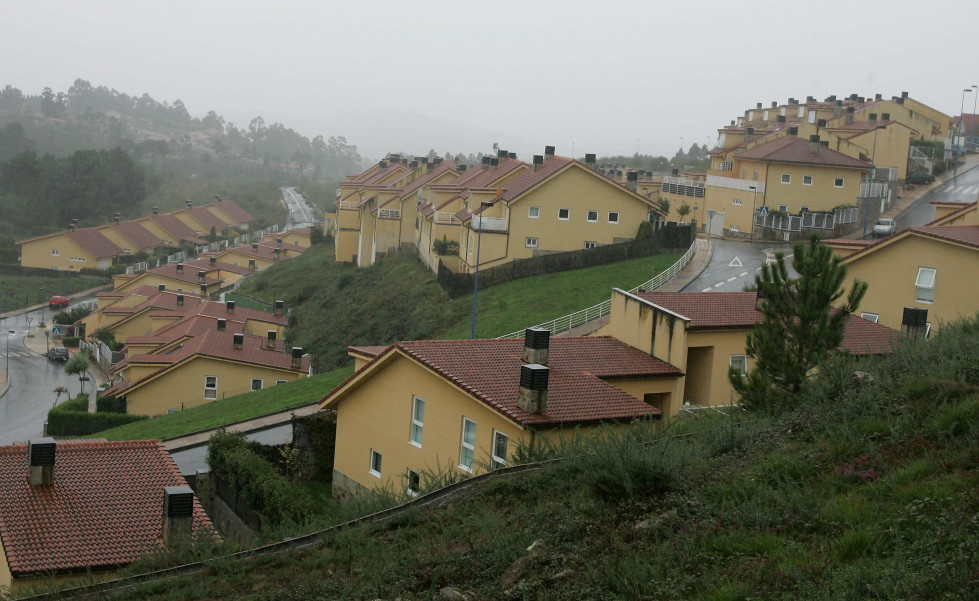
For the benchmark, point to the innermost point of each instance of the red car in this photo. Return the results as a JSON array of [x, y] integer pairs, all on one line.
[[58, 301]]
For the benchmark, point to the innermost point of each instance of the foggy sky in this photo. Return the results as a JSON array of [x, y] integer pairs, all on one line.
[[409, 75]]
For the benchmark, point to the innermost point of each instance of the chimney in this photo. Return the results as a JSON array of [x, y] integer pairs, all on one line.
[[748, 133], [810, 99], [180, 267], [275, 254], [899, 99], [201, 276], [538, 161], [278, 242], [838, 109], [904, 95], [537, 342], [414, 165], [252, 265], [429, 166], [222, 324], [761, 298], [270, 340], [203, 290], [161, 287], [814, 143], [548, 152], [156, 211], [590, 160], [878, 96], [189, 204], [438, 160], [774, 104], [758, 106], [831, 98], [279, 307], [116, 218], [849, 114], [511, 155], [532, 395], [793, 131], [914, 323], [71, 227], [493, 162], [297, 357], [675, 172], [238, 342], [463, 167], [180, 300], [40, 455], [854, 96], [229, 306], [383, 165], [213, 260], [178, 515], [254, 246], [632, 180], [502, 154], [486, 161]]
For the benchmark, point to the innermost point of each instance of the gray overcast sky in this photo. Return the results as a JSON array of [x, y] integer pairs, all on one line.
[[410, 75]]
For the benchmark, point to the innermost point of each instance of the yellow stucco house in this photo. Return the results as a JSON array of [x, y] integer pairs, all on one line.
[[295, 237], [255, 256], [928, 268], [180, 277], [231, 214], [72, 249], [81, 509], [130, 237]]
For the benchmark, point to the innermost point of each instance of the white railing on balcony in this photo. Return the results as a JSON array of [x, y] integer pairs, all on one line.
[[443, 217], [568, 322], [489, 224], [389, 213], [733, 183], [349, 205]]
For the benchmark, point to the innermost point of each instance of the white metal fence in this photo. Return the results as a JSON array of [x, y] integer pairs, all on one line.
[[563, 324], [795, 223], [100, 351]]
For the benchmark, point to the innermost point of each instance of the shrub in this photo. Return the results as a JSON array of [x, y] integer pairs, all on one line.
[[69, 317], [70, 341], [73, 419], [110, 404]]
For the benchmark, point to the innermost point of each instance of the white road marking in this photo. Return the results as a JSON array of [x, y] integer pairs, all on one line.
[[708, 289], [742, 274], [735, 262], [732, 278], [718, 284]]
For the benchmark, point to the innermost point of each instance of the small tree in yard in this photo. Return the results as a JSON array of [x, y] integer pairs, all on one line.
[[683, 210], [77, 366], [800, 326]]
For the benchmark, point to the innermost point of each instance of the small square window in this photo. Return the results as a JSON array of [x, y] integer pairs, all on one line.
[[740, 364], [786, 178], [736, 202], [256, 383], [564, 214], [375, 463], [838, 182], [590, 244], [870, 316], [55, 252], [592, 216], [413, 484], [533, 212], [735, 228], [613, 217], [783, 208], [530, 243], [806, 180], [925, 285]]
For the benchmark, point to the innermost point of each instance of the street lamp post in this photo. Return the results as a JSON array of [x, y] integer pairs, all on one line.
[[40, 296], [955, 150], [975, 97], [6, 369], [754, 198], [479, 240], [870, 183]]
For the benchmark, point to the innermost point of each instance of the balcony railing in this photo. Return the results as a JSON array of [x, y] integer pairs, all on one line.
[[733, 183], [489, 224], [349, 205], [877, 190], [445, 218], [389, 213]]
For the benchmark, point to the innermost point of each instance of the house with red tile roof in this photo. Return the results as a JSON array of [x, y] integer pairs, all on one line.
[[255, 256], [201, 220], [72, 249], [231, 214], [466, 405], [198, 277], [130, 237], [85, 508]]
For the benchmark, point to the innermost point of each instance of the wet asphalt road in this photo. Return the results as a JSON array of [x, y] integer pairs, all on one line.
[[734, 264]]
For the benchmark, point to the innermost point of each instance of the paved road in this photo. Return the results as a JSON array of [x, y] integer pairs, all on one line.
[[733, 265], [964, 188], [301, 213], [24, 408]]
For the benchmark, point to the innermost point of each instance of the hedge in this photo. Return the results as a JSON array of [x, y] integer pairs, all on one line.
[[110, 404], [72, 418], [276, 498]]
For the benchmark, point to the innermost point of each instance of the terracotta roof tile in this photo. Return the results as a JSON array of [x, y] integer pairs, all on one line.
[[94, 242], [137, 234], [233, 210], [791, 149], [104, 509], [206, 218], [177, 228]]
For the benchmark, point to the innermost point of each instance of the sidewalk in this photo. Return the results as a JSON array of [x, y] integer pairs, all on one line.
[[264, 422], [41, 340]]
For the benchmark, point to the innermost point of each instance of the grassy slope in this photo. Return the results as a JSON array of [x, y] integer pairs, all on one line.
[[21, 291], [236, 408], [397, 299], [863, 489]]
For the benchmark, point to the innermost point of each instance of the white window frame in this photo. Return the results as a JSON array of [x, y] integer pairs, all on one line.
[[417, 432], [804, 180], [765, 117], [412, 492], [874, 317], [743, 360], [499, 461], [927, 329], [212, 389], [467, 448], [922, 284], [376, 463], [589, 244], [530, 242], [567, 214], [838, 182], [783, 208], [56, 252], [803, 209], [727, 165], [786, 178], [616, 213], [736, 202], [533, 212], [261, 384], [589, 218], [278, 382], [735, 228]]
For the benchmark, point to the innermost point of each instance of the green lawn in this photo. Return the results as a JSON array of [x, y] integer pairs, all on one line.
[[530, 301], [18, 291], [234, 409]]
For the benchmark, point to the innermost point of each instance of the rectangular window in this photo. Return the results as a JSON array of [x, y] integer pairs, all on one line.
[[467, 452], [804, 210], [806, 180], [530, 243], [210, 387], [590, 244], [613, 217], [55, 252], [736, 202], [727, 166], [499, 449], [740, 364], [783, 208], [375, 463], [413, 484], [927, 329], [256, 383], [925, 285], [417, 421], [563, 214], [533, 212], [755, 176], [277, 382], [592, 216], [870, 316], [786, 178], [765, 118], [735, 228], [838, 182], [744, 174]]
